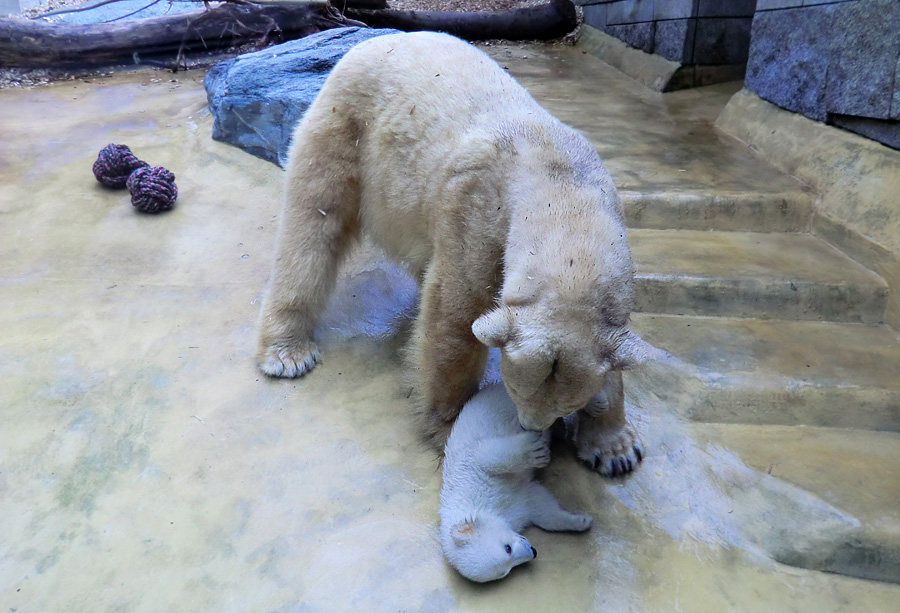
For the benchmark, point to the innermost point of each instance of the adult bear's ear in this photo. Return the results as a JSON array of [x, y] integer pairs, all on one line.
[[632, 351], [462, 532], [494, 328]]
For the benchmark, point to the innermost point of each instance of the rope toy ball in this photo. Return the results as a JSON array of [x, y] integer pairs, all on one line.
[[153, 190], [114, 164]]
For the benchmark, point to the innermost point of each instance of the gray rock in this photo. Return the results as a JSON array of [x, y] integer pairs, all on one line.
[[788, 61], [257, 98], [866, 46]]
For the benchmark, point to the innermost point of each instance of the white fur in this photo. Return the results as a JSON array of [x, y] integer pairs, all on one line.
[[489, 494]]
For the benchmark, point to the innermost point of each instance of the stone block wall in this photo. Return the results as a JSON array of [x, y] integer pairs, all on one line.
[[836, 61], [691, 32]]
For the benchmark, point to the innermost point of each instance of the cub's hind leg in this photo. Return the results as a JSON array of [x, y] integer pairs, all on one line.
[[319, 222], [546, 513]]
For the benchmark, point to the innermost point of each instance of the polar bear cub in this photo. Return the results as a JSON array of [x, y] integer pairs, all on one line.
[[489, 494]]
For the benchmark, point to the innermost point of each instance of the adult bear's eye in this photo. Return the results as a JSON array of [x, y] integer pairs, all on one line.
[[508, 549]]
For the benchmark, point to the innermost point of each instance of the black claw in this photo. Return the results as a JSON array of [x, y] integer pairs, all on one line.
[[630, 465], [622, 469], [534, 552], [637, 452], [596, 462], [613, 468]]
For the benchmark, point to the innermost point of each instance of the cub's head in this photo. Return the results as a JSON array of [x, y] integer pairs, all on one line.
[[553, 361], [485, 549]]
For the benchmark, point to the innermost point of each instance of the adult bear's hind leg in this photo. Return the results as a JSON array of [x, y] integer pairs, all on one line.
[[318, 223], [446, 361]]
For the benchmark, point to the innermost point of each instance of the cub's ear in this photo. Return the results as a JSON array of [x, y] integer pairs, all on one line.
[[632, 351], [494, 328], [462, 532]]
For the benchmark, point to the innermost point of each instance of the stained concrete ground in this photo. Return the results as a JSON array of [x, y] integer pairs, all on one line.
[[146, 465]]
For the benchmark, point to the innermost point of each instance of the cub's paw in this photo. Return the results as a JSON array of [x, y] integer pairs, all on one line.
[[560, 520], [293, 361], [537, 451], [612, 453], [580, 522]]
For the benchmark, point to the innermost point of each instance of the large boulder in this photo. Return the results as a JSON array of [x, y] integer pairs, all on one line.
[[257, 98]]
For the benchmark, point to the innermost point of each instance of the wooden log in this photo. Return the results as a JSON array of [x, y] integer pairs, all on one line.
[[552, 20], [32, 44]]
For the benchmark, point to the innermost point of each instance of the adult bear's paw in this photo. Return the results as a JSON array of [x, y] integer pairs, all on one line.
[[613, 452], [290, 361], [537, 452]]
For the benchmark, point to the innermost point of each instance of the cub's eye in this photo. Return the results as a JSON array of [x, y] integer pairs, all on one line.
[[508, 549]]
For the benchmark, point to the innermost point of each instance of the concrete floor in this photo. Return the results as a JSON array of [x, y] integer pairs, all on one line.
[[146, 465]]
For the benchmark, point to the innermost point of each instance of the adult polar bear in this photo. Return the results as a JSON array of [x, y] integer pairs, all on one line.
[[506, 217]]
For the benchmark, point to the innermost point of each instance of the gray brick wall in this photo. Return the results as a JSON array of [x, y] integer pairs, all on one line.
[[702, 32], [836, 61]]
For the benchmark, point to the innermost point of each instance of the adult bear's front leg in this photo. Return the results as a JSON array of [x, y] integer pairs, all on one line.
[[319, 221], [310, 249], [603, 438]]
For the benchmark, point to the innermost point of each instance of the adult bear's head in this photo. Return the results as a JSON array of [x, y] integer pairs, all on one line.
[[556, 347]]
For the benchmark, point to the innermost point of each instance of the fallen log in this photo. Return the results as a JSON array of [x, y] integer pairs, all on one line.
[[552, 20], [32, 44]]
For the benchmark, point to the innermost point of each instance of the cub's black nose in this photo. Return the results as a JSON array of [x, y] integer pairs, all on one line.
[[534, 552]]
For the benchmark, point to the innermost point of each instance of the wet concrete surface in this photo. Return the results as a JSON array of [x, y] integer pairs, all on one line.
[[146, 465]]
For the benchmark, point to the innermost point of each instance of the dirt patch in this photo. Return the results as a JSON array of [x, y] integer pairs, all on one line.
[[50, 6]]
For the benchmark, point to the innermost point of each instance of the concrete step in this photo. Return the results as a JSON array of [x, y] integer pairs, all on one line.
[[749, 274], [751, 371], [856, 471], [699, 208]]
